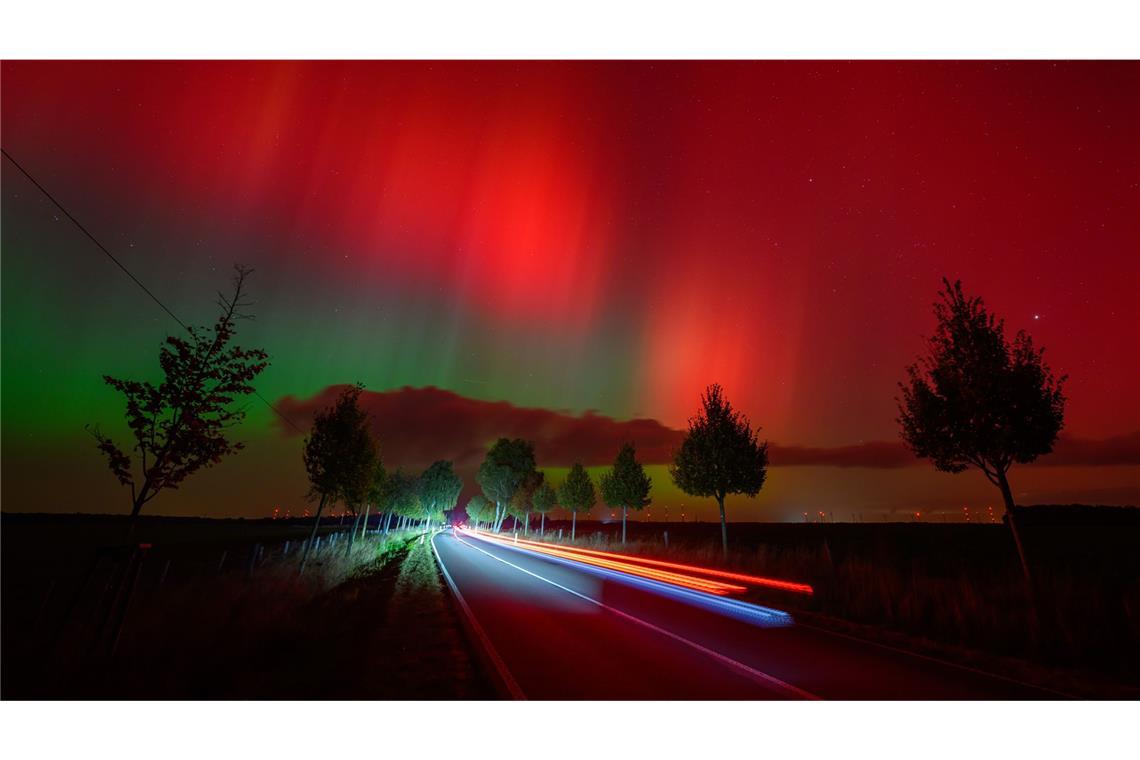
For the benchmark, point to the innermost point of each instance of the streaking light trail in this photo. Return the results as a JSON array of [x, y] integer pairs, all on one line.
[[751, 613], [678, 574], [677, 579]]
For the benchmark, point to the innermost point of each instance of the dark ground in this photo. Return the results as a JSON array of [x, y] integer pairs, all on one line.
[[377, 626], [381, 624], [950, 590]]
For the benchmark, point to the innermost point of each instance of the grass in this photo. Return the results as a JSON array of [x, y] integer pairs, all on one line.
[[953, 589], [343, 630]]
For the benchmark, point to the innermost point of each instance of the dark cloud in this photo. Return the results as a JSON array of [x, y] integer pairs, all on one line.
[[416, 426], [877, 454], [1078, 452]]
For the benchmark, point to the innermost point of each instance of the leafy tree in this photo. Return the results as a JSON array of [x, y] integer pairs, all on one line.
[[376, 495], [976, 399], [507, 465], [438, 489], [480, 511], [523, 500], [180, 426], [544, 500], [339, 455], [626, 485], [404, 495], [577, 494], [720, 455], [359, 471]]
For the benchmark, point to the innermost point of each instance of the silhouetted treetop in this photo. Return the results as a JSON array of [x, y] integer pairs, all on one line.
[[180, 425]]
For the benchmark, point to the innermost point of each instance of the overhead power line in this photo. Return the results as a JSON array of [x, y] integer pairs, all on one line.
[[124, 269]]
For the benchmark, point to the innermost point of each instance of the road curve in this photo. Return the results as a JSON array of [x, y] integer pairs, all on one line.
[[559, 630]]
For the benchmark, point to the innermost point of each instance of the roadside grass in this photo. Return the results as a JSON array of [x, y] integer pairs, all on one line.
[[960, 598], [202, 631]]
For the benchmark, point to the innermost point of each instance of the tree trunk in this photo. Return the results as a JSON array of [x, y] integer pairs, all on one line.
[[352, 536], [542, 526], [364, 528], [624, 510], [312, 536], [136, 507], [723, 527], [526, 524], [1007, 496], [387, 522], [573, 524]]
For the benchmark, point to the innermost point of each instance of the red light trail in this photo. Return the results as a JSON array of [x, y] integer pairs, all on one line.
[[677, 574]]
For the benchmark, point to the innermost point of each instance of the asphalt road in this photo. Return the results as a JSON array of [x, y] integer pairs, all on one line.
[[558, 630]]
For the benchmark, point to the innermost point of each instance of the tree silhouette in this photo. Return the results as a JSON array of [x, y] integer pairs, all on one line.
[[544, 500], [626, 485], [507, 465], [340, 456], [976, 399], [438, 489], [180, 425], [577, 494], [720, 455]]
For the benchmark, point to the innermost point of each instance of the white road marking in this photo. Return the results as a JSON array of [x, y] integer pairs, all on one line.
[[753, 673], [509, 681]]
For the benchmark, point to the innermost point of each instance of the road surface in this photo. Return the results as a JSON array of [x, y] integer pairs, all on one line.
[[559, 630]]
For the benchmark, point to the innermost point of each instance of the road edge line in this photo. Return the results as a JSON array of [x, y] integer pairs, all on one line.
[[506, 682], [755, 674]]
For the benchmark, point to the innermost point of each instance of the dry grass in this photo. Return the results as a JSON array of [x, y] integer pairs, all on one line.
[[191, 630], [953, 590]]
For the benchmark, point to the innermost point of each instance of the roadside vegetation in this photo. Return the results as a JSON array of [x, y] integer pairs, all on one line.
[[952, 590], [974, 400], [229, 618]]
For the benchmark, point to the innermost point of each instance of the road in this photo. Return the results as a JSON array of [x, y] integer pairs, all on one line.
[[559, 630]]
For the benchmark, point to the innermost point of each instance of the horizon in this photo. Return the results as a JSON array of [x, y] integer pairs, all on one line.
[[571, 252]]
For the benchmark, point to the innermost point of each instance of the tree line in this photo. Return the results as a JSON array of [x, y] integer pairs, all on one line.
[[975, 398]]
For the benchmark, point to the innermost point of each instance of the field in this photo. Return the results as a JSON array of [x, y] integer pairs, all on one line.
[[217, 610], [951, 590]]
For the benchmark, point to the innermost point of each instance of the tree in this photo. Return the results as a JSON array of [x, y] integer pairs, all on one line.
[[522, 502], [976, 399], [508, 463], [403, 496], [480, 510], [339, 455], [376, 496], [544, 500], [577, 494], [438, 489], [720, 454], [180, 426], [359, 471], [626, 485]]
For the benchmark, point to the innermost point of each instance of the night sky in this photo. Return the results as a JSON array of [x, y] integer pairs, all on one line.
[[502, 247]]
